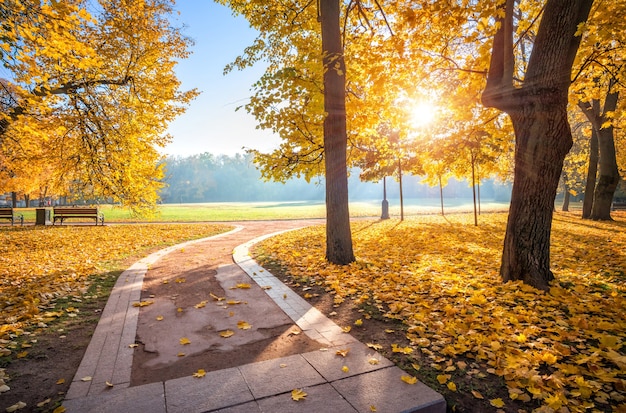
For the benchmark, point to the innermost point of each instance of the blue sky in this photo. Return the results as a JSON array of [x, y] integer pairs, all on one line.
[[211, 123]]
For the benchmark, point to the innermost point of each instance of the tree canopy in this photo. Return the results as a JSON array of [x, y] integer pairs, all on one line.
[[91, 88]]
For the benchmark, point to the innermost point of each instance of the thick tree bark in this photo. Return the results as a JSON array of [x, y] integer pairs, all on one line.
[[592, 174], [338, 235], [538, 110]]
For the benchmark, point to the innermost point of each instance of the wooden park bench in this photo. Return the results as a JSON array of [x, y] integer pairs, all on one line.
[[9, 213], [62, 213], [618, 205]]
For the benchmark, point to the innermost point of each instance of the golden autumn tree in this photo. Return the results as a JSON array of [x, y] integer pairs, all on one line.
[[94, 93]]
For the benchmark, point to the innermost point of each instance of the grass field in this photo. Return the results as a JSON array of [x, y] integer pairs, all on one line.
[[237, 211]]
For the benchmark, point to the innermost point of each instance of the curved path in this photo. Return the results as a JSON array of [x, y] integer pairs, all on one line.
[[105, 380]]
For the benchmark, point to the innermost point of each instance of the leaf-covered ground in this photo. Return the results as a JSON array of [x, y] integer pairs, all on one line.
[[41, 264], [507, 346]]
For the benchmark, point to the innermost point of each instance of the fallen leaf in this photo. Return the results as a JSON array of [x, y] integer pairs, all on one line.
[[373, 361], [242, 325], [109, 384], [143, 303], [159, 318], [451, 386], [181, 354], [443, 378], [227, 333], [343, 353], [22, 354], [43, 403], [60, 381], [59, 409], [282, 365], [243, 286], [86, 378], [17, 406], [133, 345], [184, 341], [358, 322], [200, 373], [200, 304], [477, 394], [216, 298], [298, 394], [409, 379], [496, 402], [346, 329], [373, 346], [373, 408], [345, 369]]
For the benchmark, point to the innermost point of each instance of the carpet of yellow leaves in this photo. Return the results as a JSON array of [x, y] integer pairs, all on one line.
[[564, 349], [41, 264]]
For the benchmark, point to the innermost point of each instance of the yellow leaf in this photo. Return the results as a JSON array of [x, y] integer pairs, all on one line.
[[496, 402], [415, 366], [308, 295], [200, 373], [403, 350], [451, 386], [60, 381], [133, 345], [108, 384], [375, 346], [22, 354], [216, 298], [184, 341], [243, 325], [200, 304], [345, 369], [233, 302], [373, 361], [477, 394], [59, 409], [343, 353], [358, 322], [373, 408], [86, 378], [243, 286], [298, 394], [409, 379], [443, 378], [227, 333], [346, 329], [181, 354], [159, 318], [389, 331], [143, 303]]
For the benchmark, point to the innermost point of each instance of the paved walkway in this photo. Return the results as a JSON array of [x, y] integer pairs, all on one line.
[[258, 387]]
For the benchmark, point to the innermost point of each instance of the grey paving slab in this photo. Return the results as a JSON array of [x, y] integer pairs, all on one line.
[[387, 393], [359, 359], [251, 407], [216, 390], [148, 398], [270, 377], [320, 398]]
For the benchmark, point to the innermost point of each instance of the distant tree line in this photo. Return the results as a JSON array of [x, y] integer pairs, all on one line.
[[222, 178]]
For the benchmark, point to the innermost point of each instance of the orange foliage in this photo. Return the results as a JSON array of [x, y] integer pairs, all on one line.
[[41, 264], [440, 278]]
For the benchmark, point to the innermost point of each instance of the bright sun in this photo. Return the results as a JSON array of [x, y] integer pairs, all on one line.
[[422, 114]]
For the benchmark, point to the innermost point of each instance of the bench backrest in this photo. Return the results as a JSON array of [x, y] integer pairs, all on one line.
[[6, 212], [75, 211]]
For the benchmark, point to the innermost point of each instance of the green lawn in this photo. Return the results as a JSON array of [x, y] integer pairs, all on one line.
[[236, 211]]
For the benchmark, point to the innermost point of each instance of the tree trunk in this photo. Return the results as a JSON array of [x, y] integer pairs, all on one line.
[[566, 198], [608, 179], [592, 173], [14, 199], [538, 110], [338, 235], [609, 172], [543, 138]]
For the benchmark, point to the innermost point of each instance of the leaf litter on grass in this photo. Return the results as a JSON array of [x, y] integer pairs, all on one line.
[[562, 349]]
